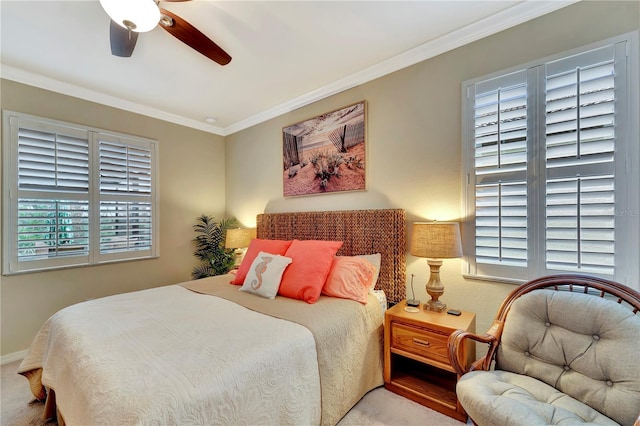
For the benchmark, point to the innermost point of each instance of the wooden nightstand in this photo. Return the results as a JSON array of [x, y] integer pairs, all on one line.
[[416, 364]]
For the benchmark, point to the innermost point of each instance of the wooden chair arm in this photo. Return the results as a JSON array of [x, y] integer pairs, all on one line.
[[456, 344]]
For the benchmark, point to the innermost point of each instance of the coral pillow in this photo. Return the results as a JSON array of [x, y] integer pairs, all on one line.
[[305, 277], [375, 260], [349, 278], [255, 247], [265, 274]]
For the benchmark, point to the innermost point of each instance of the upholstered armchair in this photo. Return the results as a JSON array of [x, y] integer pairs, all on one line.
[[562, 349]]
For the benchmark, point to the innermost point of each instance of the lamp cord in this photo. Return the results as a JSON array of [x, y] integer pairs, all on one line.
[[413, 295]]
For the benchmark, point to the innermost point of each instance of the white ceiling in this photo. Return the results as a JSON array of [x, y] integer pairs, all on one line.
[[286, 54]]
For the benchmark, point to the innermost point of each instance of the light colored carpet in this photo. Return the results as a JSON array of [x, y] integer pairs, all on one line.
[[18, 408], [378, 408], [381, 407]]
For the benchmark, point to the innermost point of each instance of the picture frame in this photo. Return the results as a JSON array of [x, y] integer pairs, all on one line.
[[326, 153]]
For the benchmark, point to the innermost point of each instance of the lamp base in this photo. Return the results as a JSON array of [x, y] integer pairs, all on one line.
[[435, 306], [434, 287], [239, 255]]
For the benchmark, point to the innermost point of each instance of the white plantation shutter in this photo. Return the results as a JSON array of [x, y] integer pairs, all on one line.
[[50, 160], [75, 196], [125, 226], [501, 224], [126, 207], [124, 168], [580, 150], [500, 164], [52, 228], [580, 225], [50, 203], [551, 164]]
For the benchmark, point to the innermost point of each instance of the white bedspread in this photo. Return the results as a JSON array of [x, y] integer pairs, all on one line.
[[191, 374]]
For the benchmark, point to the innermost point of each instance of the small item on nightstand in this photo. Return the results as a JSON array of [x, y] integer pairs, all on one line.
[[411, 309], [455, 312], [413, 301]]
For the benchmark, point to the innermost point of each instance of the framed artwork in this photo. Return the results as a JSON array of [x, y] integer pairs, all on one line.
[[326, 154]]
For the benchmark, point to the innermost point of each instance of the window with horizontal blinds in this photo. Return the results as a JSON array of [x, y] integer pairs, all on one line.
[[550, 161], [500, 164], [125, 226], [52, 202], [52, 228], [580, 225], [49, 160], [125, 186], [124, 168], [501, 223], [75, 196], [580, 136]]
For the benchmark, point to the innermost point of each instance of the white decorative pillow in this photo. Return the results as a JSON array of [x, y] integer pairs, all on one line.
[[375, 260], [265, 274]]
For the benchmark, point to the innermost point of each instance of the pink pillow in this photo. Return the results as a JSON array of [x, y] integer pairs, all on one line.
[[256, 246], [305, 277], [349, 278]]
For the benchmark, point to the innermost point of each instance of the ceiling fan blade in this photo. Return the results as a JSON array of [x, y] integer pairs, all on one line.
[[191, 36], [122, 40]]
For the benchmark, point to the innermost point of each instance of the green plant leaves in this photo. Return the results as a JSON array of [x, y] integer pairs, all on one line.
[[214, 258]]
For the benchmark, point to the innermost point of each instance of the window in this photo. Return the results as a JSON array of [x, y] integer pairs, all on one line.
[[551, 163], [75, 196]]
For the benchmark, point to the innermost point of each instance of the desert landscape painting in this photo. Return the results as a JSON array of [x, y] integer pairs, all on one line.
[[326, 153]]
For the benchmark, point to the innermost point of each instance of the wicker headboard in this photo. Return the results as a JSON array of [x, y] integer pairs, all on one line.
[[362, 231]]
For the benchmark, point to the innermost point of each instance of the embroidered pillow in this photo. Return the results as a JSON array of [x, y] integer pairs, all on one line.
[[255, 246], [375, 260], [349, 278], [265, 274], [308, 272]]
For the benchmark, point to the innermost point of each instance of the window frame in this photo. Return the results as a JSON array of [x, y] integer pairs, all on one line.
[[12, 121], [627, 163]]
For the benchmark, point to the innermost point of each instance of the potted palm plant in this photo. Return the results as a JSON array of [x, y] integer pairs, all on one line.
[[214, 258]]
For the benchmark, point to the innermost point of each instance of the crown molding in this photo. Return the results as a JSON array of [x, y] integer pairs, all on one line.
[[18, 75], [511, 17], [522, 12]]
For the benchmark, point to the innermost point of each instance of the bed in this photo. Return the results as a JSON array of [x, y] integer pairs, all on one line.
[[202, 352]]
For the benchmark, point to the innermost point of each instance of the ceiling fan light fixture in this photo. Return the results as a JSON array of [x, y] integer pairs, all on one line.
[[135, 15]]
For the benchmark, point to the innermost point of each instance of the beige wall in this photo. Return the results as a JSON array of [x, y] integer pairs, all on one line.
[[191, 175], [413, 147]]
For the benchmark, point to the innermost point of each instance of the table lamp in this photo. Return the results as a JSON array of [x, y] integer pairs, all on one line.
[[435, 241], [239, 239]]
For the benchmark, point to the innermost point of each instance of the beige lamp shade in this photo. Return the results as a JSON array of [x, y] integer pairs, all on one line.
[[239, 237], [436, 240]]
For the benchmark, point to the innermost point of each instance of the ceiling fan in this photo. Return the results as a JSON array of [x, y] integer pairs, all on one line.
[[130, 17]]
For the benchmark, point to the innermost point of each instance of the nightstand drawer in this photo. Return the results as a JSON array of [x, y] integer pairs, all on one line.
[[425, 343]]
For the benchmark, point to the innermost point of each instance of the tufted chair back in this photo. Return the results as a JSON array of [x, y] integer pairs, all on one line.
[[586, 347]]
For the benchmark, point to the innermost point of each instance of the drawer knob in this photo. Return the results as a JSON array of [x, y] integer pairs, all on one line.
[[421, 342]]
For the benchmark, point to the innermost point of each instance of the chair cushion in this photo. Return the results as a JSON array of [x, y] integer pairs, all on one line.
[[501, 398], [583, 345]]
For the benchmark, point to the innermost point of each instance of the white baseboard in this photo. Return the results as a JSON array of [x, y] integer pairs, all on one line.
[[16, 356]]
